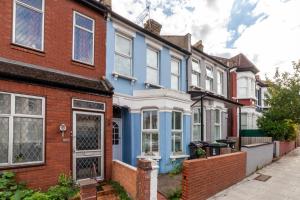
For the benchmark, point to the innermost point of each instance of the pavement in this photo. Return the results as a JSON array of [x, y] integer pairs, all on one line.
[[284, 183]]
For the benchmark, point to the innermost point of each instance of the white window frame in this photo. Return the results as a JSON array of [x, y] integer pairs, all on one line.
[[150, 131], [199, 124], [194, 72], [117, 34], [220, 83], [82, 28], [174, 74], [210, 78], [176, 131], [244, 126], [11, 129], [14, 22], [220, 120], [89, 109], [153, 68]]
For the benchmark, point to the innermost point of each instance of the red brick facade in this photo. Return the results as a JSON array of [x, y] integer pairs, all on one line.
[[286, 147], [57, 54], [202, 178]]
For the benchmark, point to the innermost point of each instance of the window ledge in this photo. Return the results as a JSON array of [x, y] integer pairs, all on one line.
[[196, 87], [27, 49], [117, 75], [151, 157], [179, 156], [148, 85]]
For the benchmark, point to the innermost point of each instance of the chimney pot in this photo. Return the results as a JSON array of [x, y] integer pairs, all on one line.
[[153, 26], [199, 45]]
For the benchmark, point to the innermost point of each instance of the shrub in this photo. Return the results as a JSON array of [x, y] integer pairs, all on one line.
[[175, 194], [200, 153], [177, 169], [120, 190]]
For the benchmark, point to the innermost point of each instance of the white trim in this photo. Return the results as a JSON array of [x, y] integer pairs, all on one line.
[[14, 23], [73, 40], [177, 131], [176, 55], [151, 67], [179, 156], [91, 153], [125, 164], [178, 61], [153, 44], [79, 108], [123, 29], [219, 71], [11, 128]]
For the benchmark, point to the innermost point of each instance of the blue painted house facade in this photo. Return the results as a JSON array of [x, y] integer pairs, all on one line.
[[152, 109]]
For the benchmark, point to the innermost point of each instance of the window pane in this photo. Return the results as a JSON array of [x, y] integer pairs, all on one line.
[[197, 115], [28, 106], [175, 67], [83, 47], [5, 104], [174, 82], [84, 22], [216, 133], [28, 140], [195, 79], [152, 58], [84, 166], [196, 132], [218, 116], [28, 27], [123, 45], [146, 119], [209, 72], [154, 142], [34, 3], [152, 75], [244, 120], [176, 142], [209, 84], [4, 131], [196, 66], [176, 120], [146, 142], [154, 119], [123, 65], [88, 132]]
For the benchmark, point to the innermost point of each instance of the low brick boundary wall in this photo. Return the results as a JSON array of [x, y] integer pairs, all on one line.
[[202, 178], [126, 175], [286, 146]]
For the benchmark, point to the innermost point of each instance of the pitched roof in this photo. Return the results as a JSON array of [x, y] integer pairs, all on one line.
[[242, 63]]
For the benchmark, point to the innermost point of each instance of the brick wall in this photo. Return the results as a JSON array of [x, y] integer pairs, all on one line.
[[232, 112], [126, 175], [203, 178], [58, 150], [285, 147], [58, 36]]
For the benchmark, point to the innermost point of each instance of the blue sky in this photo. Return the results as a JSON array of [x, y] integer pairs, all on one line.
[[266, 31]]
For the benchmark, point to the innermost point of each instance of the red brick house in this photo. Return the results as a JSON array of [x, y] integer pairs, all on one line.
[[55, 103]]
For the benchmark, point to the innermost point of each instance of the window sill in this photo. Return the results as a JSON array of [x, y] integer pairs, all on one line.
[[23, 167], [82, 64], [118, 75], [196, 87], [151, 157], [178, 156], [27, 49], [152, 85]]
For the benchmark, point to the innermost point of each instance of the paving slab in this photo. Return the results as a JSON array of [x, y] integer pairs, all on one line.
[[284, 183]]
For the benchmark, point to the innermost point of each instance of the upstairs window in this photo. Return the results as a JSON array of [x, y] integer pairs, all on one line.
[[83, 39], [209, 78], [176, 132], [152, 66], [220, 81], [150, 133], [175, 74], [28, 23], [123, 55], [196, 73]]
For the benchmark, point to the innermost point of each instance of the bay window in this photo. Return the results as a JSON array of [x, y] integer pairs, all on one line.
[[175, 74], [209, 78], [28, 23], [22, 129], [244, 121], [176, 132], [123, 55], [83, 38], [197, 124], [220, 81], [152, 66], [217, 126], [196, 73], [150, 133]]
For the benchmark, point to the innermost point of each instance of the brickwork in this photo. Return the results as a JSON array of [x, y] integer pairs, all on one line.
[[88, 190], [58, 150], [143, 180], [285, 147], [126, 175], [203, 178]]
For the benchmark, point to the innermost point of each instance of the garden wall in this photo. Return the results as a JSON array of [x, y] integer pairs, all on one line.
[[203, 178], [258, 155], [284, 147]]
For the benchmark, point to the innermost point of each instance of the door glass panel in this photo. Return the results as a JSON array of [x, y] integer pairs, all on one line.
[[115, 133], [89, 167], [88, 132]]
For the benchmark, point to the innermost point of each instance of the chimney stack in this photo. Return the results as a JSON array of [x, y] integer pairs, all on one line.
[[199, 45], [107, 3], [153, 26]]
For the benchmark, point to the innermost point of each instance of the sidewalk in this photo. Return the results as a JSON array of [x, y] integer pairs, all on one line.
[[284, 183]]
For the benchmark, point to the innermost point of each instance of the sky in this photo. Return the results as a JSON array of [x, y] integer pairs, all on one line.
[[266, 31]]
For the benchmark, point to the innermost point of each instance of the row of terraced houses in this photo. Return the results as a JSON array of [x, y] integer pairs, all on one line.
[[81, 85]]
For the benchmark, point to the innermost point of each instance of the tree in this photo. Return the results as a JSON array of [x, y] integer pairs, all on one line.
[[282, 119]]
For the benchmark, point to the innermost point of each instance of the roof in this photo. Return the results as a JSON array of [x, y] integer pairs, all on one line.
[[94, 5], [17, 71], [242, 63], [141, 29]]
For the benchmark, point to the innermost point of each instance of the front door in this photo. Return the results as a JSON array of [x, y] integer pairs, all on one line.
[[87, 145], [117, 139]]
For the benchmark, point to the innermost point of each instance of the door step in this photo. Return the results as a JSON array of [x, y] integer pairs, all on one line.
[[107, 193]]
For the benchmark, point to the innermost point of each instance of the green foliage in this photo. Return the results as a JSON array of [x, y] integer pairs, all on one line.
[[200, 153], [120, 190], [175, 194], [10, 189], [177, 169], [281, 120]]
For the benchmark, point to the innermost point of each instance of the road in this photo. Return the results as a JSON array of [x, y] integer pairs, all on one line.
[[284, 183]]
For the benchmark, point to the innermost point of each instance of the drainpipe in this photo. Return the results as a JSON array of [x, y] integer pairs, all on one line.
[[202, 125], [240, 126]]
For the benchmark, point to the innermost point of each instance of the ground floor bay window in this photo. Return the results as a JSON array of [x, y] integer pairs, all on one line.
[[197, 135], [21, 129], [217, 125], [176, 132], [150, 133]]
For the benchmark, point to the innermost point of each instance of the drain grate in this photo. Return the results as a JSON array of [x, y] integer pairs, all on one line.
[[263, 177]]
